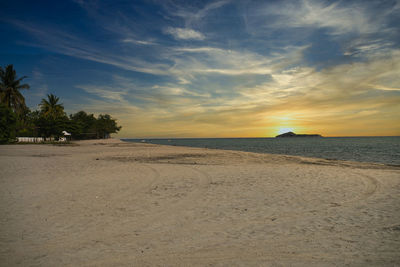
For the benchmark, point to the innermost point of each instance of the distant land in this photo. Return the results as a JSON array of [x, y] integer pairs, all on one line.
[[292, 134]]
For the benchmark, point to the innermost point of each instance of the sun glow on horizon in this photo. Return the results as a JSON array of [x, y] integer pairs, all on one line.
[[284, 123], [282, 130]]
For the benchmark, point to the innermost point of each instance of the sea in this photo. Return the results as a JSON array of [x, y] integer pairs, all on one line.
[[384, 150]]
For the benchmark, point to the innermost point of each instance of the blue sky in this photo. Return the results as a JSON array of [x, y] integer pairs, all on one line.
[[213, 68]]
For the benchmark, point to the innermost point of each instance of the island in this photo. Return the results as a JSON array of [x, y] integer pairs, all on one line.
[[292, 134]]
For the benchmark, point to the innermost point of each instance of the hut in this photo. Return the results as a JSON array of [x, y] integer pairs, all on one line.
[[67, 136]]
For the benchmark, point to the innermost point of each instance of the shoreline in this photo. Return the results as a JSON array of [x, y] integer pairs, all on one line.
[[298, 157], [109, 202]]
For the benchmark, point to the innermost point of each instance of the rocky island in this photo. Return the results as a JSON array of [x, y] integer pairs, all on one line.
[[292, 134]]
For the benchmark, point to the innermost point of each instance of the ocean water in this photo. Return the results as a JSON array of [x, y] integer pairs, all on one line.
[[384, 150]]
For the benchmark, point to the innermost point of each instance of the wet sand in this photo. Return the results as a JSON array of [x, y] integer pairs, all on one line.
[[111, 203]]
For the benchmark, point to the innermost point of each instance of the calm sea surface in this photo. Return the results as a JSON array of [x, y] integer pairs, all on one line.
[[366, 149]]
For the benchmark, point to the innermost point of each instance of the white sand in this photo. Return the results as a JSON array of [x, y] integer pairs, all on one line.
[[109, 203]]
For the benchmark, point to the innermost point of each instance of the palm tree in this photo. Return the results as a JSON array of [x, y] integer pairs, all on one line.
[[51, 108], [9, 89]]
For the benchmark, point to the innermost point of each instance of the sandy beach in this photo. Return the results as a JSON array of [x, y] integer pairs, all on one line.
[[112, 203]]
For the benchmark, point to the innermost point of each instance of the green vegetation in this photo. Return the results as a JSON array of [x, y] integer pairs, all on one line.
[[10, 87], [8, 121], [16, 119]]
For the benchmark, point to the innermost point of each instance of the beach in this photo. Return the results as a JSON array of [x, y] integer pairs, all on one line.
[[114, 203]]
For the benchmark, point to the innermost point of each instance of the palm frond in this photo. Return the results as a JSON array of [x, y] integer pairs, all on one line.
[[9, 89]]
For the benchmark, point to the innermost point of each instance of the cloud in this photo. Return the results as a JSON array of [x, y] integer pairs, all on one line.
[[338, 18], [214, 60], [342, 87], [138, 42], [115, 91], [362, 47], [357, 28], [175, 91], [192, 15], [199, 49], [384, 88], [106, 93], [68, 44], [176, 62], [184, 33]]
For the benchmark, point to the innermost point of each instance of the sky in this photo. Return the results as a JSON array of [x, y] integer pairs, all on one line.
[[221, 68]]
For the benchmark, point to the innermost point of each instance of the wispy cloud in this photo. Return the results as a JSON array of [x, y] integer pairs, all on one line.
[[362, 47], [233, 62], [72, 45], [104, 92], [138, 42], [353, 26], [184, 33], [190, 14], [339, 18]]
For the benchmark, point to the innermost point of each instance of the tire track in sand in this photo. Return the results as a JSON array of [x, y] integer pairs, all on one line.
[[371, 186]]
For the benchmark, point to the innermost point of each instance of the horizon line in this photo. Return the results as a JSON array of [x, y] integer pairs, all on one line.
[[250, 137]]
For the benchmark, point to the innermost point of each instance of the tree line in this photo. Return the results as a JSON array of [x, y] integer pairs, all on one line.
[[50, 120]]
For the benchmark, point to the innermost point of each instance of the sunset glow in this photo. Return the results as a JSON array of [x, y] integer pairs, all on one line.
[[285, 130]]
